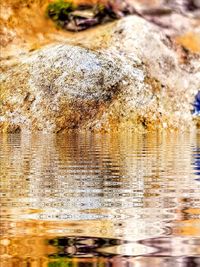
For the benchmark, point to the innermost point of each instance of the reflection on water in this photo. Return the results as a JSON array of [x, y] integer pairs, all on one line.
[[108, 200]]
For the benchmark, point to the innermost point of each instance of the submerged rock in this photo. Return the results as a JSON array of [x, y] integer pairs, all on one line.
[[129, 76]]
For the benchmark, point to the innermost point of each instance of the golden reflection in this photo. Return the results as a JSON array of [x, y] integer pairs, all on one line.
[[99, 199]]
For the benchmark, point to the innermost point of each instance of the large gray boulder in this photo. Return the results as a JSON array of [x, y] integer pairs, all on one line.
[[135, 79]]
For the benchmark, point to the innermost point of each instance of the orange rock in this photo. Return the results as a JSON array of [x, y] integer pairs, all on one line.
[[190, 41]]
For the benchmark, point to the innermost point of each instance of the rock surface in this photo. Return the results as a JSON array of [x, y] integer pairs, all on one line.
[[127, 75]]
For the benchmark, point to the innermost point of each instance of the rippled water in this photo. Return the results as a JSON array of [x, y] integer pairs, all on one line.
[[108, 200]]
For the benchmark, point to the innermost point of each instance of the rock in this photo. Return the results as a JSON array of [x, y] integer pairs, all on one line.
[[62, 86], [136, 81]]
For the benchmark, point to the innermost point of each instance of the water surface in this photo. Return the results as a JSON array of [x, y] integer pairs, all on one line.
[[107, 200]]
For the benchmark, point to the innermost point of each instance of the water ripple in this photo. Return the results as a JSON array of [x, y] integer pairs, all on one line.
[[100, 200]]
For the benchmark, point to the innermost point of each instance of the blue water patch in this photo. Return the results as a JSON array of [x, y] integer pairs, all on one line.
[[196, 162], [196, 110]]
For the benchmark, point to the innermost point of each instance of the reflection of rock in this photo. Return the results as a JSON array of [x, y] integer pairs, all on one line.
[[94, 175], [136, 187], [135, 80]]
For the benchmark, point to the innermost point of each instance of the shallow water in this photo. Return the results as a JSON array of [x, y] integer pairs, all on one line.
[[109, 200]]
